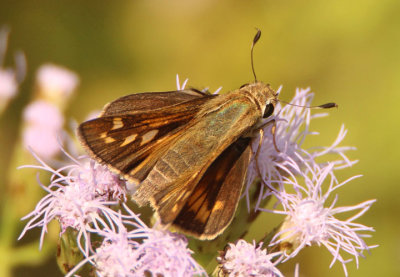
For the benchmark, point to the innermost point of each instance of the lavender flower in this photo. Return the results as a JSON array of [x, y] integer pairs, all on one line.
[[141, 251], [44, 114], [43, 128], [56, 82], [178, 83], [245, 259], [8, 85], [43, 117], [77, 199], [81, 200], [166, 253], [182, 87], [292, 128], [309, 221]]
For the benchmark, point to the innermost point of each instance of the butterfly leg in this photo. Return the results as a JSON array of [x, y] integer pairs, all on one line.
[[261, 132], [273, 130]]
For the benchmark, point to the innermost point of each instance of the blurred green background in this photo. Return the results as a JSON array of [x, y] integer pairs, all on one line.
[[346, 51]]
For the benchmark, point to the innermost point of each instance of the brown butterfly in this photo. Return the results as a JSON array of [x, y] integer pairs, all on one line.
[[186, 151]]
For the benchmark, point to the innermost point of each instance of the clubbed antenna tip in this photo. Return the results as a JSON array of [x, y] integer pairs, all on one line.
[[256, 38]]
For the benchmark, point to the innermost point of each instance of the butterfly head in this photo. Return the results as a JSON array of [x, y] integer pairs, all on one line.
[[265, 97]]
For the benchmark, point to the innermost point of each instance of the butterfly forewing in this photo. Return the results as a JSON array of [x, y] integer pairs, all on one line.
[[131, 143]]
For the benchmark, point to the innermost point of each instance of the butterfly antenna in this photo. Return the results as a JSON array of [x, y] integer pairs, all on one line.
[[324, 106], [256, 38]]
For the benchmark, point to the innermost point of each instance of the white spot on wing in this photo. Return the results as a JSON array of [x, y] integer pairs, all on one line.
[[129, 139], [146, 138], [117, 123], [218, 205], [109, 140]]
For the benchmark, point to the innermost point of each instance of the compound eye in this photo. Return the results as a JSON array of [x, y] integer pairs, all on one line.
[[269, 110]]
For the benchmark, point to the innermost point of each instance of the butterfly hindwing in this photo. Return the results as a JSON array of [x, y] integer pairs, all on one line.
[[205, 208], [149, 101]]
